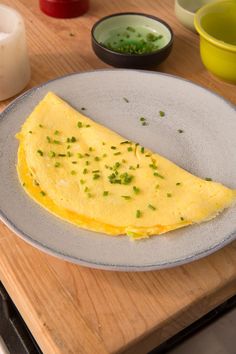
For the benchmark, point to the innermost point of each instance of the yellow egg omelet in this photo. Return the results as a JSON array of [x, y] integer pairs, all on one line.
[[92, 177]]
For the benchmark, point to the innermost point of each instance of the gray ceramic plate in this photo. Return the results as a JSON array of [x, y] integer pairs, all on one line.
[[207, 148]]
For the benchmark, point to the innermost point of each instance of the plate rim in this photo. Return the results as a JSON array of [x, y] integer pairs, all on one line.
[[99, 265]]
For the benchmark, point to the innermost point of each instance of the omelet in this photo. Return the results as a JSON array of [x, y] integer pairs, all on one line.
[[94, 178]]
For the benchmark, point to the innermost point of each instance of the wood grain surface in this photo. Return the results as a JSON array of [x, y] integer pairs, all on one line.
[[71, 309]]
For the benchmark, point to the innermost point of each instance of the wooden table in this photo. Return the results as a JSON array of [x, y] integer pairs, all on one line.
[[71, 309]]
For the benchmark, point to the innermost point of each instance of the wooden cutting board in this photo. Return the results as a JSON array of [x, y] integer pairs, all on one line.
[[71, 309]]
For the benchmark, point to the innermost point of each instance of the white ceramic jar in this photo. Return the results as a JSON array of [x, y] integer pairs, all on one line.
[[14, 62]]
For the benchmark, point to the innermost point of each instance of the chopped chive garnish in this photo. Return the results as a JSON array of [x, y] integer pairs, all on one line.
[[117, 153], [73, 139], [169, 195], [103, 143], [124, 161], [87, 126], [127, 197], [87, 163], [85, 171], [208, 179], [130, 148], [142, 150], [68, 147], [142, 119], [69, 154], [86, 189], [95, 171], [40, 152], [82, 181], [117, 165], [151, 207], [83, 108], [131, 29], [56, 142], [86, 154], [90, 195], [74, 162], [52, 154], [56, 132], [147, 155], [178, 184], [136, 190], [40, 126], [57, 164], [43, 193], [80, 156], [162, 114], [91, 149], [48, 139], [73, 172], [124, 178], [113, 147], [151, 37], [137, 166], [61, 155], [153, 166], [138, 214], [125, 99], [105, 193], [36, 183], [156, 174], [96, 176], [144, 123], [131, 168], [125, 142], [30, 131], [23, 184], [79, 125], [96, 158], [104, 155], [181, 218], [180, 131]]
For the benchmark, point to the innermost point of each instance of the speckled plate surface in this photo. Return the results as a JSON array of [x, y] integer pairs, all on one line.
[[207, 148]]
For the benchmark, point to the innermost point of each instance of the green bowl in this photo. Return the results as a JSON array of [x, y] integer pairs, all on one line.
[[216, 24], [132, 40]]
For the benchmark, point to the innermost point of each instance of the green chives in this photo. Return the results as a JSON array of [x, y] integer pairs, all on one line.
[[156, 174], [162, 114], [52, 154], [40, 152], [136, 190], [56, 142]]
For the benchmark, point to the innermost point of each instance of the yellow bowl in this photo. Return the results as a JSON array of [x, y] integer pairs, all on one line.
[[216, 24]]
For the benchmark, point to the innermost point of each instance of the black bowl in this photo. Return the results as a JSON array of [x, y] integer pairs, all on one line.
[[103, 28]]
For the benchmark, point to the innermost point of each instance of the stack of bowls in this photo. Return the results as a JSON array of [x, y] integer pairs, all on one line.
[[216, 25]]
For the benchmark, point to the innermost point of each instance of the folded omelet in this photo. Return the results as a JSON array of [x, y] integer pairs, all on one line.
[[90, 176]]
